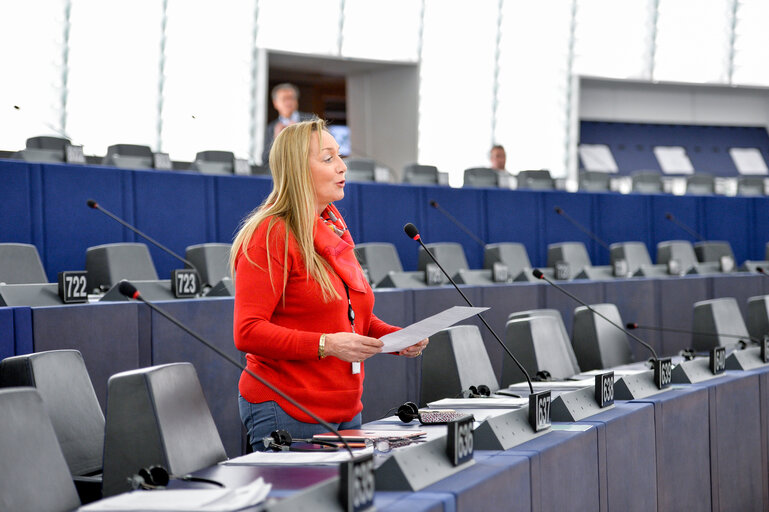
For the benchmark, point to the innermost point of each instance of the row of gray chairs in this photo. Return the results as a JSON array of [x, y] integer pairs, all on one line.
[[457, 359], [127, 156], [650, 182], [156, 416]]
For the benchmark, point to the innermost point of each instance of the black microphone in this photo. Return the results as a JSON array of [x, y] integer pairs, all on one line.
[[130, 291], [669, 216], [761, 271], [461, 226], [633, 325], [539, 275], [93, 204], [412, 231], [582, 228]]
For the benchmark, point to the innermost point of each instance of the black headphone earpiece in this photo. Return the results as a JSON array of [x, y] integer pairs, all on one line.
[[281, 440], [484, 390], [481, 391], [408, 412], [542, 376], [153, 477]]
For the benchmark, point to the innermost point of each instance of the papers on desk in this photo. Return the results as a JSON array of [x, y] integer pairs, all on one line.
[[397, 341], [319, 458], [184, 500], [479, 403]]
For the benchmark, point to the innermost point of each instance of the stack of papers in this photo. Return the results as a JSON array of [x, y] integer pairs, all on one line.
[[479, 403], [184, 500], [319, 458]]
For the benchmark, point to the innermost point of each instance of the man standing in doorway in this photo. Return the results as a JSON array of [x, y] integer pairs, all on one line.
[[285, 99]]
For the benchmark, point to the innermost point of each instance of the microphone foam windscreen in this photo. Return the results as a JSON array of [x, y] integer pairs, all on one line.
[[411, 230], [127, 289]]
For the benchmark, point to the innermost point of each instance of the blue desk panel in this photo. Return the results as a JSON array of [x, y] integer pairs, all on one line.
[[622, 219], [212, 320], [414, 501], [686, 209], [580, 207], [19, 198], [112, 337], [682, 435], [626, 457], [740, 286], [7, 335], [636, 301], [234, 198], [516, 216], [735, 436], [717, 222], [590, 292]]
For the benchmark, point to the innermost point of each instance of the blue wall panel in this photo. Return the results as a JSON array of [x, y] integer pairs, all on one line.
[[685, 209], [719, 223], [516, 216], [580, 207], [236, 197], [16, 201], [7, 335], [622, 219]]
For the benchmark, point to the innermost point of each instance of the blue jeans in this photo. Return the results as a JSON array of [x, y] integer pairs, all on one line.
[[261, 419]]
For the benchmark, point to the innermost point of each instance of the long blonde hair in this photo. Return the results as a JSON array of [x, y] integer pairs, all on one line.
[[293, 200]]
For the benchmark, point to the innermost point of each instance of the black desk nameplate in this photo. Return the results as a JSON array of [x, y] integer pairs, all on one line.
[[765, 348], [663, 372], [185, 283], [539, 410], [459, 442], [357, 483], [73, 286], [717, 360], [604, 389]]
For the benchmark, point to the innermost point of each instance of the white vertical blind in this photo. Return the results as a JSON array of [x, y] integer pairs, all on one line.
[[692, 41], [381, 30], [113, 73], [612, 38], [457, 74], [30, 50], [306, 26], [208, 73], [533, 83], [751, 46]]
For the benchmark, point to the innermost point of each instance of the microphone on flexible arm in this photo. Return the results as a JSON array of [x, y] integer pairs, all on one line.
[[130, 291], [762, 271], [93, 204], [461, 226], [412, 231], [741, 339], [662, 367], [669, 216], [582, 228]]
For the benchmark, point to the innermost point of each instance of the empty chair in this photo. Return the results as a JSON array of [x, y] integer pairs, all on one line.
[[420, 174], [700, 184], [452, 258], [556, 315], [719, 321], [575, 256], [129, 156], [34, 472], [679, 257], [20, 264], [482, 177], [536, 180], [637, 259], [598, 344], [758, 316], [713, 251], [45, 149], [214, 162], [512, 255], [383, 266], [157, 416], [455, 359], [62, 380], [360, 169], [751, 185], [211, 261], [647, 182], [594, 181], [108, 264], [539, 344]]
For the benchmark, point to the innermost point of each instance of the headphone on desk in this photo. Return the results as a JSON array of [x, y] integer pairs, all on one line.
[[157, 477], [281, 441], [481, 391]]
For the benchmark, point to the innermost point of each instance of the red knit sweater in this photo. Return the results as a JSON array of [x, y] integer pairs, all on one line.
[[280, 330]]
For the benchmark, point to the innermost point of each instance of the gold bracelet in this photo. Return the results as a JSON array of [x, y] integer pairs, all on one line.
[[322, 347]]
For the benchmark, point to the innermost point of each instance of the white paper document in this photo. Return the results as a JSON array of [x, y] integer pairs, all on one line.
[[479, 403], [317, 458], [397, 341], [182, 500]]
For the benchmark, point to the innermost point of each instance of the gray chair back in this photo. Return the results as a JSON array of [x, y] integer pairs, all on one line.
[[378, 259], [635, 254], [716, 317], [157, 416], [647, 182], [420, 174], [45, 149], [20, 264], [211, 260], [214, 162], [536, 180], [573, 253], [680, 250], [701, 184], [511, 254], [556, 315], [129, 156], [594, 181], [598, 344], [35, 474], [751, 185], [450, 254], [758, 316], [360, 169], [712, 250], [109, 263], [481, 177], [539, 344], [455, 359], [62, 380]]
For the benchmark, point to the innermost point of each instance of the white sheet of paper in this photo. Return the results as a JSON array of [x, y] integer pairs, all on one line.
[[479, 403], [673, 160], [397, 341], [748, 160], [295, 458], [176, 500]]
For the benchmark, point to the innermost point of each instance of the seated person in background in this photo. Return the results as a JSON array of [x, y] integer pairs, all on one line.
[[498, 157], [303, 308], [285, 99]]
